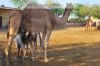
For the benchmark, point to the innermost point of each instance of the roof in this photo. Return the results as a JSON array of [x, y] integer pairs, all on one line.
[[9, 8]]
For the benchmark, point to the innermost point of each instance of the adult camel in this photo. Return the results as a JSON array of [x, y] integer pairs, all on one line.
[[88, 25], [29, 39], [36, 20]]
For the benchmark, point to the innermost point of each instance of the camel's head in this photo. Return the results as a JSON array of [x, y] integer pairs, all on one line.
[[69, 6]]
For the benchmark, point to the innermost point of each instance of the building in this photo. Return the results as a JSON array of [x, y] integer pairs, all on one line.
[[4, 15]]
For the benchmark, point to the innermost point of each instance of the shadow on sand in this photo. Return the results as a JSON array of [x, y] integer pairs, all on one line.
[[73, 54]]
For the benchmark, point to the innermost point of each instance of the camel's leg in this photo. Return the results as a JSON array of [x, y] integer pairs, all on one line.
[[18, 50], [90, 26], [12, 33], [39, 38], [48, 34], [26, 48], [8, 47], [43, 40], [32, 50], [23, 52], [86, 27], [35, 41]]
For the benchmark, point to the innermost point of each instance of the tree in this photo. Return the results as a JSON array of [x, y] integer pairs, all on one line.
[[84, 11], [21, 3], [95, 11], [49, 3], [58, 11], [52, 4], [55, 7], [81, 11], [76, 11]]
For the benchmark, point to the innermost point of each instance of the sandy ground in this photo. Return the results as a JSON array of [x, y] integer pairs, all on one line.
[[69, 47]]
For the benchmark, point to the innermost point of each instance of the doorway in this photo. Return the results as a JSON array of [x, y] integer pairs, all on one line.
[[0, 22]]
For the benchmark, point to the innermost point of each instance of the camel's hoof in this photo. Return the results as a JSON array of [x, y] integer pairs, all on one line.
[[46, 60]]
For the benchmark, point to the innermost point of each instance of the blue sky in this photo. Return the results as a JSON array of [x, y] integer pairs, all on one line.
[[7, 3]]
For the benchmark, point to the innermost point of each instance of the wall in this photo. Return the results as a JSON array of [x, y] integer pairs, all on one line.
[[5, 17]]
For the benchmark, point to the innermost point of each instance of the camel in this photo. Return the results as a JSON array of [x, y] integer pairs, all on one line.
[[36, 20], [30, 38], [88, 25]]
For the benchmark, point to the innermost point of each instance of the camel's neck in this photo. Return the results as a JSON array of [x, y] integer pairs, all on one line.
[[65, 16]]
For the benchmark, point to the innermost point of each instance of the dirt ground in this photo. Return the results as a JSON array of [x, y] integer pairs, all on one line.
[[70, 47]]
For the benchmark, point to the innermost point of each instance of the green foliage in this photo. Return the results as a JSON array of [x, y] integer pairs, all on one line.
[[53, 4], [84, 11], [58, 11], [49, 3], [55, 7], [21, 3], [77, 20], [81, 11], [95, 11], [77, 9]]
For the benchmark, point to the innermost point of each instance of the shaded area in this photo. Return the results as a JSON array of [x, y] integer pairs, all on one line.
[[68, 47], [75, 54]]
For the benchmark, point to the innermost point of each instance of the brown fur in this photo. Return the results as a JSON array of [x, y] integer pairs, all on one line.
[[88, 25], [36, 20]]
